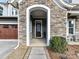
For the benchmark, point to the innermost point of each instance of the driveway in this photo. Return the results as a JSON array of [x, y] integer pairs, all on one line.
[[6, 47]]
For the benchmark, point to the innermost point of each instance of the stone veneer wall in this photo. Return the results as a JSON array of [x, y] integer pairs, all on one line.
[[77, 26], [57, 18]]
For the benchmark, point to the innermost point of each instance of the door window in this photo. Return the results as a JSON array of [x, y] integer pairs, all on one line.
[[38, 29]]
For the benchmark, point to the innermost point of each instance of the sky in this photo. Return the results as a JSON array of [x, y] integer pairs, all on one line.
[[3, 0]]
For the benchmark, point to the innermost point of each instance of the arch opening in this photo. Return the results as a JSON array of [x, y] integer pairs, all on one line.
[[38, 25]]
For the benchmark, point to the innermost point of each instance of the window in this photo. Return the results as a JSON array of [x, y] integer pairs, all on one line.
[[71, 30], [71, 26], [1, 11], [14, 11], [68, 1]]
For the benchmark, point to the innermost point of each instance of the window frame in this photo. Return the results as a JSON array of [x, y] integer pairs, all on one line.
[[71, 27]]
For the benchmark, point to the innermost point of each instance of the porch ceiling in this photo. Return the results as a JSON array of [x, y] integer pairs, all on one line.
[[38, 14]]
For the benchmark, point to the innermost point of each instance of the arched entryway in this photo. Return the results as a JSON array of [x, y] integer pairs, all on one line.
[[38, 25]]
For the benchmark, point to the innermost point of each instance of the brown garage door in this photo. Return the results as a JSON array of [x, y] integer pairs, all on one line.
[[8, 31]]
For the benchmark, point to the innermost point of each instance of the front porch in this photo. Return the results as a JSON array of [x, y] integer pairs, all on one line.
[[38, 31], [39, 42]]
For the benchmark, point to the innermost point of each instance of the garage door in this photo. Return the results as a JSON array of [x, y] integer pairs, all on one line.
[[8, 31]]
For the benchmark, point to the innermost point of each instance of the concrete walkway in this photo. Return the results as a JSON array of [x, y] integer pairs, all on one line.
[[38, 53], [39, 42]]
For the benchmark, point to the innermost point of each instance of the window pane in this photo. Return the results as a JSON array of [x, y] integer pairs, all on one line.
[[0, 14], [1, 10], [14, 11], [70, 1], [71, 30], [71, 24]]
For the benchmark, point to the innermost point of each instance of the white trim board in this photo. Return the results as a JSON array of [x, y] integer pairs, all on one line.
[[9, 40], [28, 18], [73, 11], [19, 1], [8, 23], [73, 43], [59, 5]]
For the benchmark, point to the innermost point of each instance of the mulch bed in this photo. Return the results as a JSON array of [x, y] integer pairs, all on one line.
[[71, 53]]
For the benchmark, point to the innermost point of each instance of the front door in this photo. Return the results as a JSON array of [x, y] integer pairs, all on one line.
[[38, 28]]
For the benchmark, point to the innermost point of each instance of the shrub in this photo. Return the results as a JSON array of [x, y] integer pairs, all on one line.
[[58, 44]]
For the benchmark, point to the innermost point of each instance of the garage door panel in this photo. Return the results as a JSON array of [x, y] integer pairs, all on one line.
[[8, 33]]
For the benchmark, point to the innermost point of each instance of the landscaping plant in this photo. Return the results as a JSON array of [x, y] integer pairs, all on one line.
[[58, 44]]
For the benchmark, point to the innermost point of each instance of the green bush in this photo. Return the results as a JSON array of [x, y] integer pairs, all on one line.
[[58, 44]]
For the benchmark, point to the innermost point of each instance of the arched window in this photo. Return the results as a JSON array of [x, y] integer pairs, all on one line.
[[68, 1], [1, 11]]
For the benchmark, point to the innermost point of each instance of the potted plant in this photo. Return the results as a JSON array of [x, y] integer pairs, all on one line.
[[58, 44]]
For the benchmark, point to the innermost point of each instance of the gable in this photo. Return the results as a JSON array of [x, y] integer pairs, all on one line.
[[61, 4]]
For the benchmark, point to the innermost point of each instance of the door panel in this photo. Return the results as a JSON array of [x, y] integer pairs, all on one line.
[[38, 29]]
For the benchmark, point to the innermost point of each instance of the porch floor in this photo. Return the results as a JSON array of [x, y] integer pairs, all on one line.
[[38, 42]]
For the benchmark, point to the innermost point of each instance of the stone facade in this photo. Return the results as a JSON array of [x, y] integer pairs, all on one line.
[[57, 20], [77, 25]]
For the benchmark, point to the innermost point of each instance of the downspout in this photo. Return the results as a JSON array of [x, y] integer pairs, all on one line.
[[18, 27]]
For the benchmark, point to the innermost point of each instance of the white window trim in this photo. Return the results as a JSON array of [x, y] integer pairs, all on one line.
[[8, 23], [69, 36], [73, 11], [68, 27]]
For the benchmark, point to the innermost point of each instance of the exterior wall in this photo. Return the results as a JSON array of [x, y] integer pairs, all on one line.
[[58, 18], [77, 26]]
